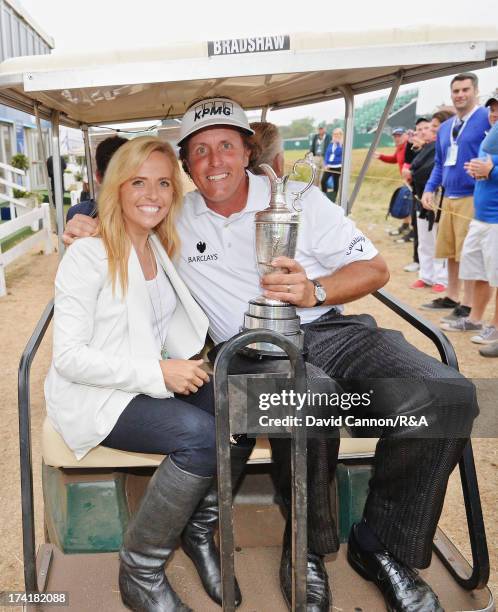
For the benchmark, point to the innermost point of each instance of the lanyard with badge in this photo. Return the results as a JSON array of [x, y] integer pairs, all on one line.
[[452, 153], [455, 133]]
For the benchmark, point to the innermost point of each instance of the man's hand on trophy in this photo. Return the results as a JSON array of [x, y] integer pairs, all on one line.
[[293, 287]]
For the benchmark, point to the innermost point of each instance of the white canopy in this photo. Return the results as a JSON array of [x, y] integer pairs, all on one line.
[[269, 71]]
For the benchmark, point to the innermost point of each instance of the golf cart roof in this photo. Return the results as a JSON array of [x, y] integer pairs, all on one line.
[[266, 71]]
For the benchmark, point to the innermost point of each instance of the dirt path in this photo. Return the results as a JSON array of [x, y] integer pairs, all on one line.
[[30, 286]]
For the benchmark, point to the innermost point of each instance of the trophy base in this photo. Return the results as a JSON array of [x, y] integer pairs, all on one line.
[[276, 316]]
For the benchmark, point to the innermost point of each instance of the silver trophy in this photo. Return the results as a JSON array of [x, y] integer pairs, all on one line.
[[276, 235]]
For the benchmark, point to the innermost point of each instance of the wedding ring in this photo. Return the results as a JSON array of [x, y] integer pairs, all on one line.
[[288, 288]]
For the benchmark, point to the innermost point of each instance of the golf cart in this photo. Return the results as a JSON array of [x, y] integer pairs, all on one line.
[[87, 503]]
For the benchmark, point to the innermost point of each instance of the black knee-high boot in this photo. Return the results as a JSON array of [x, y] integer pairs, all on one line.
[[198, 535], [168, 503]]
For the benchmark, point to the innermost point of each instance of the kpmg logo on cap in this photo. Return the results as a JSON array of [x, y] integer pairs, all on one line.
[[213, 108]]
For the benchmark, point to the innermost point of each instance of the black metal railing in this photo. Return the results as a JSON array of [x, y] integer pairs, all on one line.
[[298, 467], [479, 576], [23, 398]]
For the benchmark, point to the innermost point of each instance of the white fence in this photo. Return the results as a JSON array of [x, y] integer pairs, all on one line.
[[43, 236], [10, 185]]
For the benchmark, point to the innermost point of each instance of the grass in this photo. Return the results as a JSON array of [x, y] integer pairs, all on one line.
[[11, 241], [373, 198], [67, 196], [18, 236]]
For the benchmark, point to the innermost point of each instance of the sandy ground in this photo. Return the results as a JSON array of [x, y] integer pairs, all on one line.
[[30, 287]]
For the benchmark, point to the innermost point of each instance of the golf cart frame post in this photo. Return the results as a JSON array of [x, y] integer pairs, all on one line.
[[88, 161], [58, 193]]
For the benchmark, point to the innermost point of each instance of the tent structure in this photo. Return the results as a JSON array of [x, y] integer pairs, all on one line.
[[265, 72], [282, 71]]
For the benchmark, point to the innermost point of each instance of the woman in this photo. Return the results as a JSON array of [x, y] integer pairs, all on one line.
[[332, 164], [125, 327], [432, 271]]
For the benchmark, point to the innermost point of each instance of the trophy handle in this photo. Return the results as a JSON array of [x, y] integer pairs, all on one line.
[[307, 161], [278, 185]]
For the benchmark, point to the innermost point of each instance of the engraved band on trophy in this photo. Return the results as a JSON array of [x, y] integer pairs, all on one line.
[[276, 235]]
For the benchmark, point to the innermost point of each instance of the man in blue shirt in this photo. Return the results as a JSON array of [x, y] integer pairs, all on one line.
[[458, 142], [490, 144], [480, 249]]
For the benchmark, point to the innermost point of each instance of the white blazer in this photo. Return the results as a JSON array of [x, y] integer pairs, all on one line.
[[104, 349]]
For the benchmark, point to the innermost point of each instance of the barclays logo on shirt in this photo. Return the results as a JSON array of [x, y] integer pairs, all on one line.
[[201, 247]]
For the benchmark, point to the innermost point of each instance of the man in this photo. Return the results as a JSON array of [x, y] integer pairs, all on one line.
[[50, 172], [400, 138], [458, 141], [319, 144], [490, 143], [490, 147], [480, 249], [432, 272], [103, 153], [218, 264], [402, 156], [414, 144]]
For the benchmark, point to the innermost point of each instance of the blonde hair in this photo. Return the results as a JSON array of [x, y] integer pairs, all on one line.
[[111, 227], [340, 131], [267, 144]]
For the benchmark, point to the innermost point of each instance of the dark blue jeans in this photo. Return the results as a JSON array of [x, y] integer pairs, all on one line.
[[181, 427]]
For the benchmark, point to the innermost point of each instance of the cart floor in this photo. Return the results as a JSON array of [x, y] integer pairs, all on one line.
[[91, 580]]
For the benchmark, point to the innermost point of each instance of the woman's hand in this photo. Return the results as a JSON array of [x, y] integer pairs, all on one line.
[[183, 376]]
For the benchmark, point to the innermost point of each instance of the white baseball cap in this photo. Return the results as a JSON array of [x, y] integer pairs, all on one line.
[[213, 111]]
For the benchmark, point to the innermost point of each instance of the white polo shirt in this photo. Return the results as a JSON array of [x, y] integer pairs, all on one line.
[[218, 256]]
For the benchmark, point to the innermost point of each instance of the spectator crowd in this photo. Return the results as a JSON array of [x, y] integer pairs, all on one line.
[[453, 177]]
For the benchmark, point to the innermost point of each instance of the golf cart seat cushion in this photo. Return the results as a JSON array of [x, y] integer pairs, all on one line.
[[56, 453]]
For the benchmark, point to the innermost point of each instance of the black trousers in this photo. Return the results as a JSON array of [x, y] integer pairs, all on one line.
[[336, 177], [415, 231], [410, 478]]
